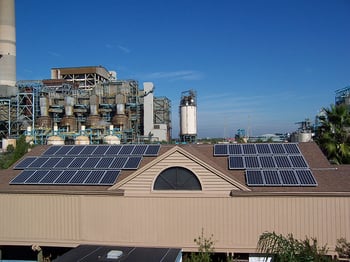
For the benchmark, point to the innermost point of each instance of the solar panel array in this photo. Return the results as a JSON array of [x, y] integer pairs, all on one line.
[[268, 164], [82, 164]]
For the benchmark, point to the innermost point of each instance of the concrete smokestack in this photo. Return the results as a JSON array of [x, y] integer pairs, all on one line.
[[7, 48]]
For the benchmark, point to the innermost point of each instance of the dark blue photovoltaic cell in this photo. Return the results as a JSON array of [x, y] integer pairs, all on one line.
[[267, 162], [288, 178], [126, 150], [63, 150], [51, 176], [65, 177], [263, 149], [51, 162], [64, 162], [282, 161], [277, 148], [80, 176], [291, 148], [91, 162], [101, 149], [105, 162], [271, 177], [306, 178], [236, 162], [37, 163], [76, 150], [110, 177], [298, 161], [249, 149], [22, 177], [37, 177], [77, 162], [94, 177], [25, 163], [118, 162], [52, 150], [254, 178], [133, 162], [139, 150], [235, 149], [113, 150], [220, 150], [88, 150], [152, 150], [251, 162]]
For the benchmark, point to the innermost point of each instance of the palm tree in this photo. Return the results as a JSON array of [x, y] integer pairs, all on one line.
[[333, 134]]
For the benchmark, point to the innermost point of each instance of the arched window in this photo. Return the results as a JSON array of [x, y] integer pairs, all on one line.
[[177, 178]]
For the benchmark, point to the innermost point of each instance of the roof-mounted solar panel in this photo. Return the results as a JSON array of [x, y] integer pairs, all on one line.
[[254, 178], [25, 163], [65, 177], [77, 162], [104, 163], [220, 150], [291, 148], [126, 150], [88, 150], [113, 150], [152, 150], [110, 177], [64, 150], [267, 162], [249, 149], [76, 150], [235, 149], [94, 177], [282, 161], [22, 177], [91, 162], [51, 150], [101, 149], [236, 162], [306, 178], [63, 162], [51, 176], [288, 177], [118, 162], [272, 178], [36, 177], [298, 161], [139, 150], [80, 176], [277, 148], [133, 162], [251, 162], [263, 149]]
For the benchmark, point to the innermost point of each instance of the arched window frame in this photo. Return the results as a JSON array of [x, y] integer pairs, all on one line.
[[188, 171]]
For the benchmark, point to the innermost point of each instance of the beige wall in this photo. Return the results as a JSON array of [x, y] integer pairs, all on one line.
[[235, 222]]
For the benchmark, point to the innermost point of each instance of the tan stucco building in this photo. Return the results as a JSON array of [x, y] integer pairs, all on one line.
[[151, 206]]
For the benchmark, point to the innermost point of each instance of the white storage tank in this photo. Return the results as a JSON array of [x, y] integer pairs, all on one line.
[[188, 116]]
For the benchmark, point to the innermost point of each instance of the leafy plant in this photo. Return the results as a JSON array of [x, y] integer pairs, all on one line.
[[205, 249], [343, 248]]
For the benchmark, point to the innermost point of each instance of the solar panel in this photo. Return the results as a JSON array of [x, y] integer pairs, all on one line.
[[80, 176], [152, 150], [277, 148], [288, 178], [220, 150], [133, 162], [263, 149], [251, 162], [63, 150], [291, 148], [64, 162], [236, 162], [298, 161], [105, 162], [88, 150], [51, 162], [37, 163], [110, 177], [22, 177], [76, 150], [77, 162], [91, 162], [271, 178], [113, 150], [282, 161], [139, 149], [52, 150], [25, 163], [65, 177], [267, 162], [306, 178], [118, 162], [101, 150], [51, 176], [249, 149], [94, 177], [36, 177], [254, 178], [235, 149], [126, 150]]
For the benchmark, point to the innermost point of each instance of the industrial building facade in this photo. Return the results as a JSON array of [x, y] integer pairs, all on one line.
[[168, 198]]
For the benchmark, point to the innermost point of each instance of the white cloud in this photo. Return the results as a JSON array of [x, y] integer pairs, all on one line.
[[124, 49], [176, 75]]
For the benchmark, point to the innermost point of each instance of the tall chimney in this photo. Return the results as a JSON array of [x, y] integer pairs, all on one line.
[[7, 48]]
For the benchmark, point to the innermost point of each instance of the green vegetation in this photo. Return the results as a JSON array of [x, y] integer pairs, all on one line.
[[13, 154], [333, 134], [343, 248], [288, 249], [205, 249]]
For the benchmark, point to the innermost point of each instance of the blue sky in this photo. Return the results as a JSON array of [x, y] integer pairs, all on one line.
[[259, 65]]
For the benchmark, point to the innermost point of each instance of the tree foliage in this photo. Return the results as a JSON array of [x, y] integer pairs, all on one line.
[[288, 249], [333, 134], [343, 248], [205, 249], [14, 153]]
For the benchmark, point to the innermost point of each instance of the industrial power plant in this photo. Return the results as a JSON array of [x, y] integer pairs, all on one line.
[[82, 105]]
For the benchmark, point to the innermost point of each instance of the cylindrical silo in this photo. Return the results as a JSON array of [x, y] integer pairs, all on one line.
[[188, 116], [7, 48]]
